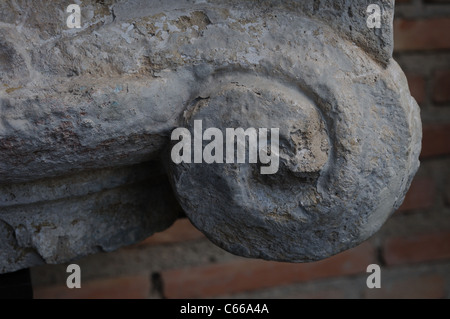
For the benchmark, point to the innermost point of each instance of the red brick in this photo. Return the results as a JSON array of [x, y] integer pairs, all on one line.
[[247, 275], [135, 287], [424, 287], [436, 140], [417, 87], [436, 1], [425, 34], [182, 230], [422, 248], [447, 195], [319, 294], [420, 195], [441, 90]]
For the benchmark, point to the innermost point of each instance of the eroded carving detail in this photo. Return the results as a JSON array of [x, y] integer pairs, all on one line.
[[82, 109]]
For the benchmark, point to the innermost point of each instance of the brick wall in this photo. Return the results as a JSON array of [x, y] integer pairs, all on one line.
[[413, 248]]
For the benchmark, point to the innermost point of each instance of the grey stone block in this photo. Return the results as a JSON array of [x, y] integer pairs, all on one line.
[[81, 109]]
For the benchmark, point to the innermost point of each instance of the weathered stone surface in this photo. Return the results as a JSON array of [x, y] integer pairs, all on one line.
[[56, 220], [106, 97]]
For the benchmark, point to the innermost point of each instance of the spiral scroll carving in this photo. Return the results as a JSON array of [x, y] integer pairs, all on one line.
[[87, 115]]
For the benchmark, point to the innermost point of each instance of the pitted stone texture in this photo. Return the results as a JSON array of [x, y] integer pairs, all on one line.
[[108, 95], [312, 209], [108, 88], [60, 219]]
